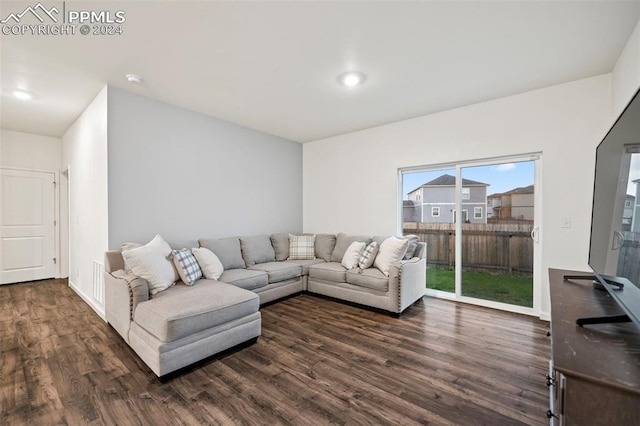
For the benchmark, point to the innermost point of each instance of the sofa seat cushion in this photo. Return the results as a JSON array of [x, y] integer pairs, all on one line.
[[331, 271], [371, 278], [304, 264], [182, 311], [245, 278], [278, 271]]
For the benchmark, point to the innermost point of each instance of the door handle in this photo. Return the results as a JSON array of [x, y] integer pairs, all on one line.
[[618, 239], [534, 234]]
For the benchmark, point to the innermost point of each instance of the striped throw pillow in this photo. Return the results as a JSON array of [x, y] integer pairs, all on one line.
[[368, 255], [187, 266]]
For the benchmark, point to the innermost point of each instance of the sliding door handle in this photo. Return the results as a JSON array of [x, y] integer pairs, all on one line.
[[535, 234]]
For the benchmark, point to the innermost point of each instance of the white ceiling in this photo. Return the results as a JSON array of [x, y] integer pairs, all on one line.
[[272, 66]]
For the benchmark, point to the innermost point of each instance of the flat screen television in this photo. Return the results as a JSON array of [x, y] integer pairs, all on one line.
[[614, 251]]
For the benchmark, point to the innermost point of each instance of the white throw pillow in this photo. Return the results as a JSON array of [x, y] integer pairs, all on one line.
[[391, 250], [151, 263], [352, 255], [209, 263]]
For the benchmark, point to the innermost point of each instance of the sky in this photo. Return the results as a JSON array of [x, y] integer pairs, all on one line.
[[501, 177]]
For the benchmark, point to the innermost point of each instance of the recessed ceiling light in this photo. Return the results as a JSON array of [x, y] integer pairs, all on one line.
[[21, 94], [351, 78], [134, 78]]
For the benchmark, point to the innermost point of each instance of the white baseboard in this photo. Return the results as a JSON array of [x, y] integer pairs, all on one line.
[[89, 301], [545, 316]]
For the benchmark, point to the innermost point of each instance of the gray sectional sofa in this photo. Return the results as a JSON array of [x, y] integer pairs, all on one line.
[[183, 324]]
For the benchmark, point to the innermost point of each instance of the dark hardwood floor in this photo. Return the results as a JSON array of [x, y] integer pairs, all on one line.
[[317, 362]]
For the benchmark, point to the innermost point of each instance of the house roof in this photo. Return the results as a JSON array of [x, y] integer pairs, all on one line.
[[520, 190], [448, 180]]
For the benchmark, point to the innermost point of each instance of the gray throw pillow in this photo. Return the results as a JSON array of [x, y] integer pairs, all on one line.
[[257, 250], [324, 245], [227, 250], [343, 241], [413, 245], [280, 243]]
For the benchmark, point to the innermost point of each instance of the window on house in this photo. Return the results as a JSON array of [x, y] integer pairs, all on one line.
[[435, 211], [477, 212], [489, 203], [466, 193]]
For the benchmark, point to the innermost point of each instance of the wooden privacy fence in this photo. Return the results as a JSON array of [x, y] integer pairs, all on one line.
[[628, 265], [498, 246]]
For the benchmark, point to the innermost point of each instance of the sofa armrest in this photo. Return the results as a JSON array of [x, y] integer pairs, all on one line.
[[412, 281], [113, 261], [123, 292]]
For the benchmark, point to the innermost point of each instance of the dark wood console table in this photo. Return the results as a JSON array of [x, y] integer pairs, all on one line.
[[595, 369]]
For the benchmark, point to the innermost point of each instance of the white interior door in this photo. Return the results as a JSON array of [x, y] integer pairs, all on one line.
[[27, 233]]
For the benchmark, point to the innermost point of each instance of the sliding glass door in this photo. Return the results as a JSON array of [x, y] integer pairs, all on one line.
[[429, 210], [496, 244], [479, 222]]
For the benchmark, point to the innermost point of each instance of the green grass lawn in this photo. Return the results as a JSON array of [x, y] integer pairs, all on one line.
[[516, 289]]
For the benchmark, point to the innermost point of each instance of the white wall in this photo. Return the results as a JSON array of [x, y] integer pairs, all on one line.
[[185, 175], [30, 152], [351, 181], [41, 153], [84, 153], [626, 73]]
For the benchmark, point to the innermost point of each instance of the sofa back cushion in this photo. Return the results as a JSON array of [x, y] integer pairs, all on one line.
[[257, 250], [343, 241], [280, 243], [183, 244], [228, 251]]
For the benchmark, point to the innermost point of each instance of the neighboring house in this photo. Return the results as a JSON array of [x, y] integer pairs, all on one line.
[[494, 202], [435, 201], [635, 214], [627, 213], [515, 204], [409, 211]]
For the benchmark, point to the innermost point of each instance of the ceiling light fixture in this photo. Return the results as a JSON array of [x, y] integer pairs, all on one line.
[[21, 94], [351, 78], [134, 78]]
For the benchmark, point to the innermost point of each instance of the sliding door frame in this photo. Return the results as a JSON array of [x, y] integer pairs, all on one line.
[[537, 234]]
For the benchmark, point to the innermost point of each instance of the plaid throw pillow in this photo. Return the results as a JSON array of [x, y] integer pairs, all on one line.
[[368, 255], [187, 266], [301, 247]]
